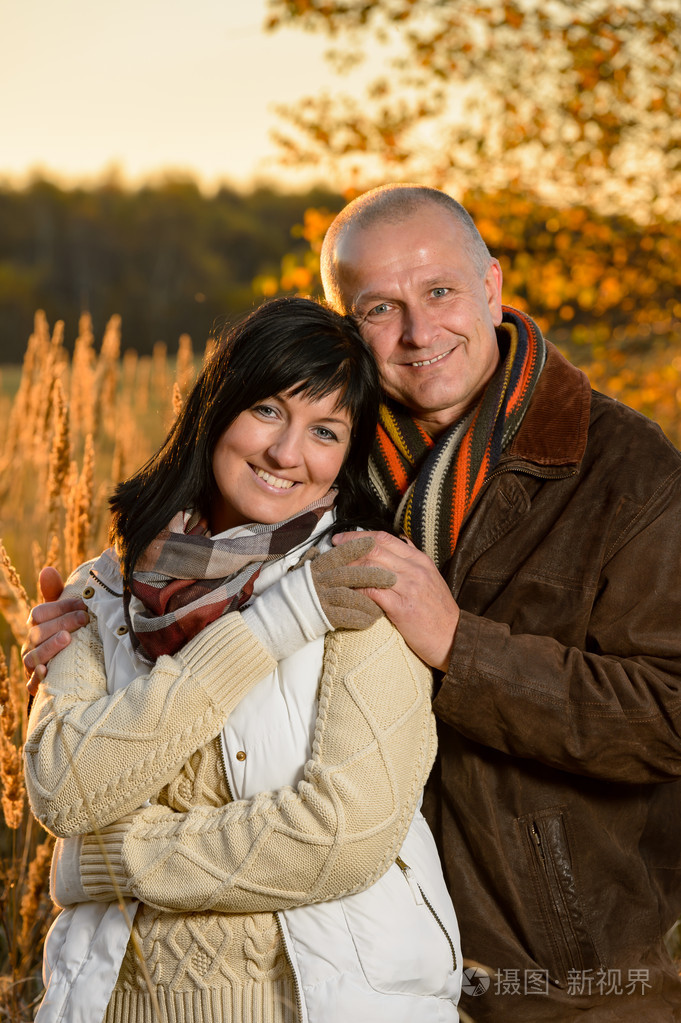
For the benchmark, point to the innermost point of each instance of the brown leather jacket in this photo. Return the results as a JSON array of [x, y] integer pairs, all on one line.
[[556, 799]]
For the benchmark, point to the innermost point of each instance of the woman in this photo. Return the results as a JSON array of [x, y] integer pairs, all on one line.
[[209, 676]]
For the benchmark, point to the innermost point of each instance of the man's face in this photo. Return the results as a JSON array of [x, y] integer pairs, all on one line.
[[424, 309]]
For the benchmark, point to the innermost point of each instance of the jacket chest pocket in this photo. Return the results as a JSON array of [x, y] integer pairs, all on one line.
[[568, 942]]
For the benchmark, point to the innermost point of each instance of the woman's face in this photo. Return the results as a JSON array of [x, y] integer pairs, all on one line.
[[276, 458]]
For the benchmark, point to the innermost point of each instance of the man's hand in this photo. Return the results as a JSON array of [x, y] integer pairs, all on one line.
[[49, 627], [420, 603]]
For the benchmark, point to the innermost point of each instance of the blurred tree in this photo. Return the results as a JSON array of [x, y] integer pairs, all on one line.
[[571, 100], [167, 257]]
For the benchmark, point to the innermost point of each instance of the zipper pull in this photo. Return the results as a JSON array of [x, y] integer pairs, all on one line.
[[411, 881], [537, 840]]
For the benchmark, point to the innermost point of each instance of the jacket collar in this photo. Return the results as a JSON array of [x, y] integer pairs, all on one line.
[[555, 427]]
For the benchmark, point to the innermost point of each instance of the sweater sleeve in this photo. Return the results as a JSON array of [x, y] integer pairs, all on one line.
[[336, 833], [91, 757]]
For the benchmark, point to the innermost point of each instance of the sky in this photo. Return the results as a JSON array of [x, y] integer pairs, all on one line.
[[145, 86]]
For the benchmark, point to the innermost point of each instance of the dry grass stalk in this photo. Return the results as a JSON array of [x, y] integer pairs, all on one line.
[[53, 556], [13, 797], [36, 906], [106, 378], [178, 400], [20, 416], [79, 508], [83, 379], [53, 367], [14, 601], [60, 460]]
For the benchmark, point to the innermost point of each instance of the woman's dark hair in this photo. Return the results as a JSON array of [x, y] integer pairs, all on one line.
[[287, 345]]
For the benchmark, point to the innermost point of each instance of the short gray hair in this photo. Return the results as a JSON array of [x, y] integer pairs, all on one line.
[[393, 204]]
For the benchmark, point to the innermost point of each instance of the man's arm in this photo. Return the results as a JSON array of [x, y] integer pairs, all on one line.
[[336, 833], [609, 708]]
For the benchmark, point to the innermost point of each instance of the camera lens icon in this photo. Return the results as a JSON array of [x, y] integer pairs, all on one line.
[[475, 981]]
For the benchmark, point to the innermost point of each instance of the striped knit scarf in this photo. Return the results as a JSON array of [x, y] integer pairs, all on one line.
[[432, 486], [185, 579]]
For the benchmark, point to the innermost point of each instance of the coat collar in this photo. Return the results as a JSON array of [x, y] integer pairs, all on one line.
[[555, 427]]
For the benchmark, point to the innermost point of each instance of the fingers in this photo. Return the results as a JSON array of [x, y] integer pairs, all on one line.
[[36, 678], [386, 546], [351, 549], [35, 658], [45, 613], [48, 633], [51, 584]]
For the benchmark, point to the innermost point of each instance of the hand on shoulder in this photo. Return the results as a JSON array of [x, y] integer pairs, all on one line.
[[420, 603]]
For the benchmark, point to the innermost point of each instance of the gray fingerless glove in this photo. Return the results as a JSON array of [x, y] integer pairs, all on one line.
[[337, 584]]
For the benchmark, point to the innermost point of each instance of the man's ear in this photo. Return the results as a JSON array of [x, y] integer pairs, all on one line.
[[494, 279]]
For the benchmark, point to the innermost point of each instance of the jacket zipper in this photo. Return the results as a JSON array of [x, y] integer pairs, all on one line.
[[421, 898], [527, 471], [289, 959], [277, 915]]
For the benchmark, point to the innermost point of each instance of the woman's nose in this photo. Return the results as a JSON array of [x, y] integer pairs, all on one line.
[[286, 448]]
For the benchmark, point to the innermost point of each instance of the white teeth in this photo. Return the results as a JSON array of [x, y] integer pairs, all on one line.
[[274, 481], [429, 362]]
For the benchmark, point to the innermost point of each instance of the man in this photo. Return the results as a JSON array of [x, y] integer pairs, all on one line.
[[547, 591]]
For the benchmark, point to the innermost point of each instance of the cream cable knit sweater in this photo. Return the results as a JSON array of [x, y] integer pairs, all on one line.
[[337, 833]]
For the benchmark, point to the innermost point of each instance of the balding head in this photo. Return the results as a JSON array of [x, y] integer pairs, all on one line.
[[391, 205]]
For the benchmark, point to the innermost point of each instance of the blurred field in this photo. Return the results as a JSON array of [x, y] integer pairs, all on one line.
[[73, 426]]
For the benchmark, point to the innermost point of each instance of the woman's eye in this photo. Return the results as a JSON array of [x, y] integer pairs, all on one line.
[[265, 410], [324, 434]]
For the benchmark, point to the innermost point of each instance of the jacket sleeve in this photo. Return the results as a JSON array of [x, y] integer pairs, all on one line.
[[607, 707], [336, 833], [91, 757]]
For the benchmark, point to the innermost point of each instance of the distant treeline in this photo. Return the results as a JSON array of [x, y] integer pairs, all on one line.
[[171, 260], [168, 258]]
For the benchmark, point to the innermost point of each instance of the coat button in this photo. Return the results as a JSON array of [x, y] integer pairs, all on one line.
[[88, 592], [241, 755], [122, 630]]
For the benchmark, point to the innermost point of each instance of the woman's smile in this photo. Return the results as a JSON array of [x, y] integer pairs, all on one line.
[[273, 481], [278, 457]]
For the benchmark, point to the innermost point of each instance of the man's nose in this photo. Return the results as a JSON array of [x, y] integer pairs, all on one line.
[[419, 328]]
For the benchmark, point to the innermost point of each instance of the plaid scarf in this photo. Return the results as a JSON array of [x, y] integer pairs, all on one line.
[[185, 579], [432, 486]]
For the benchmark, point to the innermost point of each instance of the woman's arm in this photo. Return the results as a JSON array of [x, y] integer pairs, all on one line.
[[92, 757], [336, 833]]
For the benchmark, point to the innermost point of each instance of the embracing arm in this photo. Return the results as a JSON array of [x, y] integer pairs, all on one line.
[[336, 833], [91, 757], [608, 706]]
